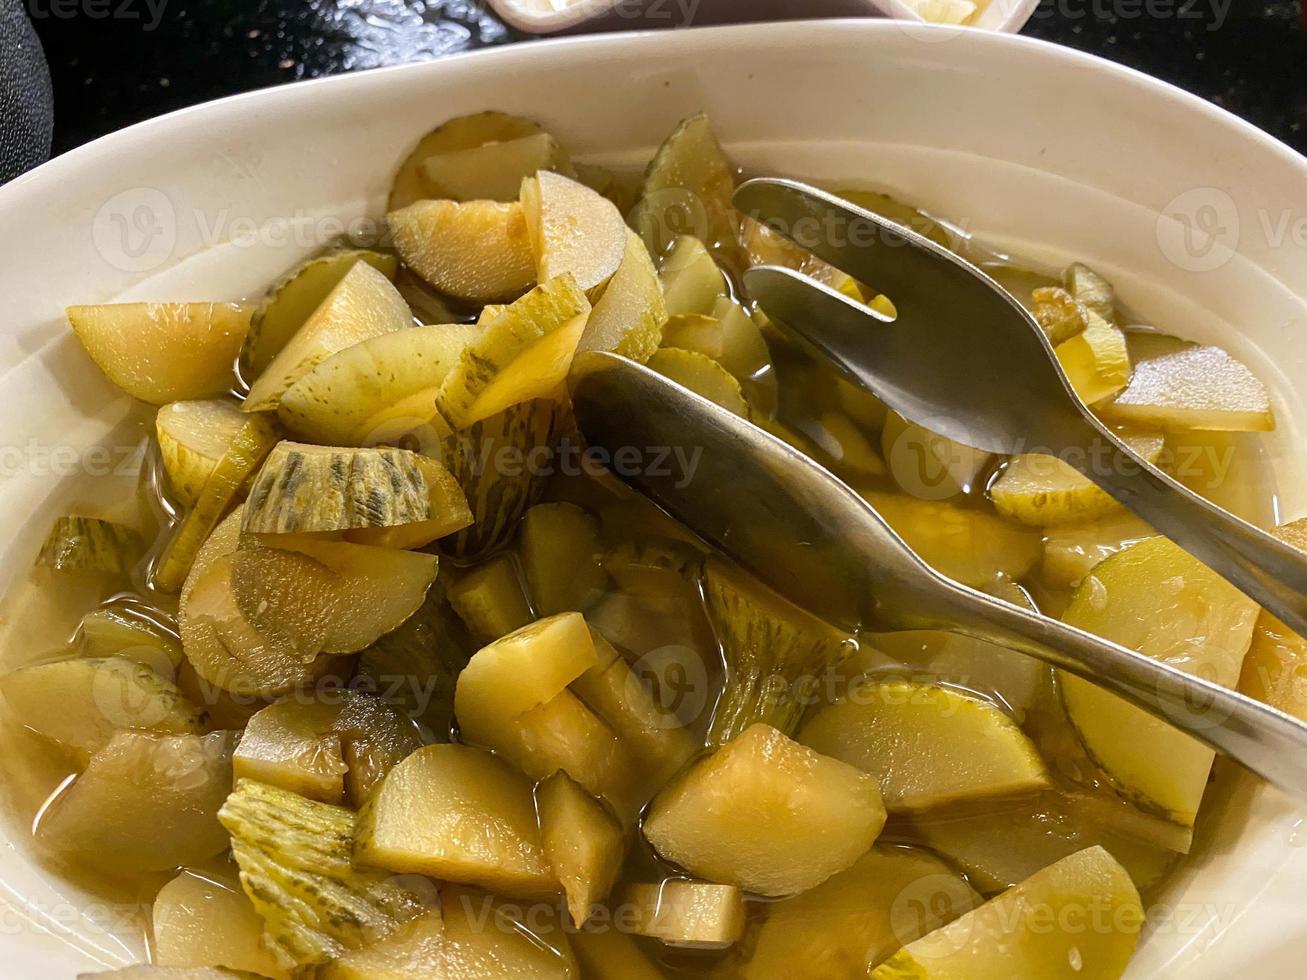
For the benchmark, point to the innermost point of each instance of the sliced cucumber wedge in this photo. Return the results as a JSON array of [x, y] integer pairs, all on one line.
[[506, 335], [244, 454], [381, 391], [291, 302], [456, 135], [363, 304], [80, 703], [193, 437], [477, 251], [89, 544], [296, 865], [304, 489], [493, 171], [164, 352]]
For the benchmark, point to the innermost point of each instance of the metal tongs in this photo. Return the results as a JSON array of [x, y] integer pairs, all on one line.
[[949, 358]]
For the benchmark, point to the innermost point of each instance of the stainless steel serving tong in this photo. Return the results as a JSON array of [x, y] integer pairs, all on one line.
[[966, 359], [957, 339]]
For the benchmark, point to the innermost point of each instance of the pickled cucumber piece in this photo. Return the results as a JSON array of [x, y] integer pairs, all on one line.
[[89, 544], [1043, 490], [477, 251], [688, 187], [247, 450], [123, 632], [623, 700], [362, 305], [564, 735], [81, 703], [528, 942], [376, 738], [458, 814], [928, 465], [628, 318], [766, 246], [291, 745], [1274, 669], [573, 229], [621, 186], [474, 935], [1072, 550], [653, 565], [453, 136], [164, 352], [1003, 938], [1058, 314], [311, 489], [964, 543], [1227, 468], [295, 859], [1096, 361], [767, 814], [1190, 386], [929, 746], [693, 285], [171, 784], [701, 375], [418, 948], [845, 450], [193, 438], [375, 589], [322, 749], [584, 845], [865, 409], [692, 914], [490, 600], [775, 652], [378, 391], [606, 954], [227, 651], [415, 666], [1003, 846], [284, 594], [521, 671], [202, 917], [491, 460], [540, 372], [506, 336], [1020, 683], [1090, 290], [854, 920], [559, 546], [493, 171], [695, 332], [1155, 598], [291, 302], [729, 337]]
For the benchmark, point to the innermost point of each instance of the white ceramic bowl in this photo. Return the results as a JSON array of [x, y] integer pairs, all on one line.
[[1051, 153], [567, 16]]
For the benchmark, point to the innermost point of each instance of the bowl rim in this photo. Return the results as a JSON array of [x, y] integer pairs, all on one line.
[[67, 163]]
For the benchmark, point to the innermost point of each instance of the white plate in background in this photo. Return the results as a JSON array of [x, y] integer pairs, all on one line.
[[570, 16]]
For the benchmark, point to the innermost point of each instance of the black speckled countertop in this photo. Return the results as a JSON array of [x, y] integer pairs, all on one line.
[[1249, 56]]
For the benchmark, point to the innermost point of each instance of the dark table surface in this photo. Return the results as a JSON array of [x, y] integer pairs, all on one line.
[[1249, 56]]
